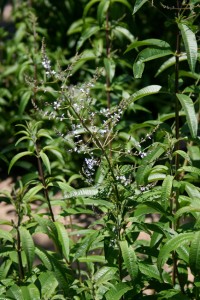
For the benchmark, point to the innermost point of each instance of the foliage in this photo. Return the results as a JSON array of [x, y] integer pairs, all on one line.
[[112, 137]]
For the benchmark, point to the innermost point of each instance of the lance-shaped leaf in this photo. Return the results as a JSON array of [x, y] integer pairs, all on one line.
[[117, 291], [149, 270], [45, 161], [104, 274], [125, 2], [88, 6], [148, 90], [170, 62], [28, 246], [17, 157], [130, 259], [166, 190], [102, 10], [172, 245], [138, 5], [84, 192], [190, 169], [6, 235], [186, 210], [48, 283], [148, 42], [86, 35], [110, 68], [30, 195], [147, 55], [63, 239], [15, 292], [188, 107], [190, 44], [194, 256]]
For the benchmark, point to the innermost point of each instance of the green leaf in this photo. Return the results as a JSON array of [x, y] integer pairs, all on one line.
[[88, 6], [48, 283], [153, 53], [190, 169], [84, 192], [138, 5], [148, 42], [104, 274], [44, 257], [170, 62], [148, 90], [24, 101], [190, 44], [44, 133], [6, 235], [63, 239], [130, 139], [172, 245], [110, 68], [96, 202], [147, 55], [18, 156], [15, 292], [149, 270], [33, 292], [138, 69], [45, 161], [194, 255], [102, 10], [125, 2], [119, 30], [117, 291], [188, 107], [93, 258], [30, 195], [186, 210], [85, 244], [183, 154], [166, 190], [28, 247], [130, 259], [86, 35], [147, 162]]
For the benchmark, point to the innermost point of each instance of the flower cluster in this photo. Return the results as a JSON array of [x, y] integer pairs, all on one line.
[[89, 168], [46, 62], [123, 180]]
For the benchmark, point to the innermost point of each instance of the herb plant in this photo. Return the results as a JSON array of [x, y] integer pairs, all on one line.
[[117, 148]]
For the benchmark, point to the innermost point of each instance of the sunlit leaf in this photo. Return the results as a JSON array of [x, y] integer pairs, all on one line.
[[194, 255], [118, 291], [172, 245], [148, 42], [63, 239], [130, 259], [166, 190], [45, 161], [190, 44], [28, 246], [188, 107], [48, 283], [148, 90]]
